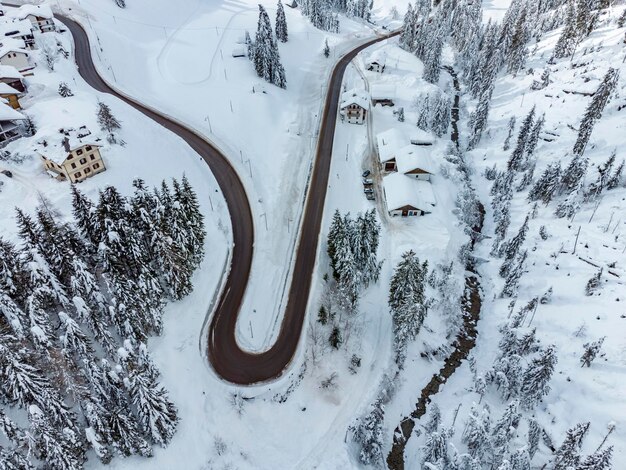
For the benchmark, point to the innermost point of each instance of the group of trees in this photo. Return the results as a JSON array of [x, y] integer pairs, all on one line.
[[324, 14], [433, 111], [263, 52], [77, 303]]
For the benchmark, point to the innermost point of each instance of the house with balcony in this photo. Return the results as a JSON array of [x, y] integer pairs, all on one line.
[[354, 106], [40, 16], [10, 129]]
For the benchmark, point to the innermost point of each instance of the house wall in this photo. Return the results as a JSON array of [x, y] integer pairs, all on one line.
[[43, 24], [14, 82], [83, 163], [8, 132], [16, 59], [354, 114], [13, 100]]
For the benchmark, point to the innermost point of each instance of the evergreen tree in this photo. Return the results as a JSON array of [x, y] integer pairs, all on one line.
[[507, 142], [126, 437], [326, 49], [281, 23], [441, 116], [547, 184], [64, 90], [432, 62], [369, 433], [158, 416], [511, 249], [30, 128], [517, 52], [534, 435], [266, 56], [536, 380], [517, 157], [435, 450], [107, 121], [601, 182], [401, 115], [591, 351], [600, 460], [120, 3], [594, 284], [13, 315], [335, 339], [476, 434], [568, 455], [533, 139], [616, 178], [594, 110], [424, 114], [571, 204], [249, 46], [569, 37], [407, 301], [478, 119], [515, 273]]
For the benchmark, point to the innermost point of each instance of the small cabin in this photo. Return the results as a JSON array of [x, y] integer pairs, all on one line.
[[12, 77], [376, 61]]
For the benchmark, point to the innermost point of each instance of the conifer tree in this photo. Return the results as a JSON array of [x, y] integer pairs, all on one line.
[[369, 433], [547, 184], [157, 414], [534, 435], [266, 56], [64, 90], [601, 182], [571, 204], [107, 121], [568, 454], [591, 351], [478, 119], [594, 110], [536, 380], [476, 434], [599, 460], [594, 284], [507, 142], [517, 157], [326, 49], [569, 37], [511, 282], [616, 178], [281, 23], [511, 249]]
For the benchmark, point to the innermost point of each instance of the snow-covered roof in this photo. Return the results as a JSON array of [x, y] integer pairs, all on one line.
[[402, 191], [412, 157], [383, 92], [6, 89], [12, 45], [8, 71], [56, 147], [379, 56], [421, 137], [355, 96], [389, 142], [16, 28], [9, 114], [42, 11]]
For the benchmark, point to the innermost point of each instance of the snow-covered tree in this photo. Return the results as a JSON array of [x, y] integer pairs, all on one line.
[[599, 460], [326, 49], [517, 157], [107, 121], [594, 111], [511, 127], [547, 185], [568, 40], [266, 56], [534, 436], [368, 432], [281, 23], [568, 454], [64, 90], [536, 379], [594, 284], [591, 351]]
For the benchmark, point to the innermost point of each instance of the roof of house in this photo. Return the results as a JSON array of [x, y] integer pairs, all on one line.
[[9, 114], [16, 28], [57, 146], [419, 136], [403, 191], [12, 45], [356, 96], [379, 56], [389, 142], [8, 71], [412, 157], [383, 92], [42, 11], [6, 89]]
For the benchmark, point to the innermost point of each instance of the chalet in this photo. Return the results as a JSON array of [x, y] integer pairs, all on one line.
[[376, 62], [383, 95], [12, 77], [9, 128], [421, 138], [40, 16], [11, 95], [354, 106], [415, 162], [72, 155], [388, 143], [17, 58], [406, 197], [22, 30]]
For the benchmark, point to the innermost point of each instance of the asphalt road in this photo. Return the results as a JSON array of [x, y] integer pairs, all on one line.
[[229, 361]]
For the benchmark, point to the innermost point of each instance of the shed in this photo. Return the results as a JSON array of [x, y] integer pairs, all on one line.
[[421, 137], [415, 162], [389, 142], [383, 94]]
